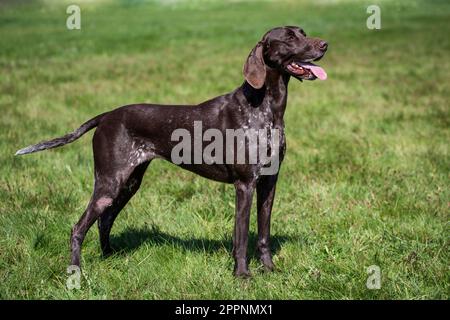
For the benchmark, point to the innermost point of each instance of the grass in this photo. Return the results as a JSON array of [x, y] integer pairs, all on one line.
[[365, 181]]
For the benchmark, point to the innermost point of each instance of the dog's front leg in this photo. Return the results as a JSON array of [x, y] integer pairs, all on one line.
[[244, 194], [265, 194]]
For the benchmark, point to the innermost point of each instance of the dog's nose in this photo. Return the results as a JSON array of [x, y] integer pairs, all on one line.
[[323, 45]]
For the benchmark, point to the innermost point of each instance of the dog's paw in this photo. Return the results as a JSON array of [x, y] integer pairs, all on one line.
[[242, 274], [267, 263]]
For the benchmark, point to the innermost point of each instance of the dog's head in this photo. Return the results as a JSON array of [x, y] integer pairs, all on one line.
[[288, 50]]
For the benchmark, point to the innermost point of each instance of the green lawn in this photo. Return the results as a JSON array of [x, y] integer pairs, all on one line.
[[365, 180]]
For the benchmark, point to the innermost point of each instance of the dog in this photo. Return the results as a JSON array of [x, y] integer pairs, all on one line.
[[128, 138]]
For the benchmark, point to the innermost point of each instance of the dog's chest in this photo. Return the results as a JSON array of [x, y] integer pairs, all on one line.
[[269, 142]]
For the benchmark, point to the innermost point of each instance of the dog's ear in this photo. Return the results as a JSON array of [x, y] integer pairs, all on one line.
[[254, 68]]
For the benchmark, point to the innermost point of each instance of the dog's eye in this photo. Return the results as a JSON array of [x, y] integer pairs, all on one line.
[[291, 36]]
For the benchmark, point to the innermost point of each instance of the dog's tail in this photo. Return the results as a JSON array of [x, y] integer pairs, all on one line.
[[68, 138]]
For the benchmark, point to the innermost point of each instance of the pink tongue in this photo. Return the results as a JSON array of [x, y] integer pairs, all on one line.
[[316, 70]]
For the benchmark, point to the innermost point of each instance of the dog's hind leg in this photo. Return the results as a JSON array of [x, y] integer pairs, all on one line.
[[106, 220], [120, 163], [105, 196], [111, 192]]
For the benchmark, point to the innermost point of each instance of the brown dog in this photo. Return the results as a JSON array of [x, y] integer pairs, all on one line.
[[127, 139]]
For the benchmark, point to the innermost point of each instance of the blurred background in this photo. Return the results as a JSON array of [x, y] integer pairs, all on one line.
[[365, 180]]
